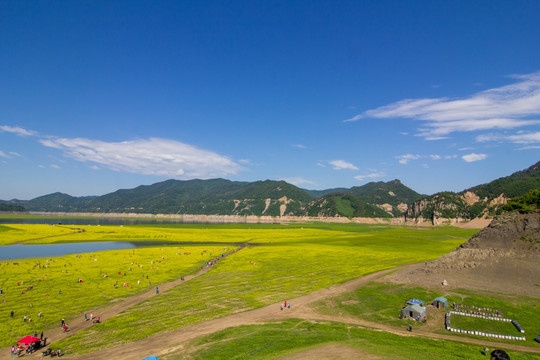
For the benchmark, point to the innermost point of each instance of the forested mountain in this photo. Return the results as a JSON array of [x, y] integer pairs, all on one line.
[[225, 197], [4, 206], [278, 198], [482, 200]]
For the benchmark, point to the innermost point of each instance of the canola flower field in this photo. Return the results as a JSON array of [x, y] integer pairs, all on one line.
[[277, 262]]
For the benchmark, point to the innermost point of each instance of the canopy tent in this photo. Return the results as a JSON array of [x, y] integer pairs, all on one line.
[[415, 302], [440, 301], [151, 358], [413, 311], [29, 340]]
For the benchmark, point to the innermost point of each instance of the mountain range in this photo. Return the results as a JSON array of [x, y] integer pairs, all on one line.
[[278, 198]]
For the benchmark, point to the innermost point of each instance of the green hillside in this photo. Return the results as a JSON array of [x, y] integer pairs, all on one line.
[[279, 198], [482, 200]]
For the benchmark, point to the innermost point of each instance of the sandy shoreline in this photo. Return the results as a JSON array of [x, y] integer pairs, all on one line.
[[253, 219]]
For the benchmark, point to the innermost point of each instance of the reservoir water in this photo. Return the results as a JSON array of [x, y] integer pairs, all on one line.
[[12, 252], [90, 221]]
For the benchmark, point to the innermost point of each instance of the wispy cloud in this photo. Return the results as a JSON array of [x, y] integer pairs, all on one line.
[[404, 159], [341, 165], [153, 156], [299, 146], [17, 130], [505, 107], [3, 154], [472, 157], [371, 176], [298, 181], [521, 137]]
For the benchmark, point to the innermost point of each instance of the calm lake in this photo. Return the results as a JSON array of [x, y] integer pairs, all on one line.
[[12, 252], [89, 221]]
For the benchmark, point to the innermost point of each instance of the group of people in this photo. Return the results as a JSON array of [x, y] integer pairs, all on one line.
[[285, 305], [29, 348]]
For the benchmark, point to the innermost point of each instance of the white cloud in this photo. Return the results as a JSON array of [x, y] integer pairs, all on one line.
[[404, 159], [520, 137], [3, 154], [54, 166], [525, 138], [298, 181], [320, 164], [474, 157], [531, 147], [299, 146], [17, 130], [435, 157], [373, 175], [505, 107], [154, 156], [341, 164]]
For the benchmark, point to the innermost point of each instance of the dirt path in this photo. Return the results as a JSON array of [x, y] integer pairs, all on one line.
[[170, 341]]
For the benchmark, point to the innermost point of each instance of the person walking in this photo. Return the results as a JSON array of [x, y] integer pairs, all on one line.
[[410, 327], [157, 290]]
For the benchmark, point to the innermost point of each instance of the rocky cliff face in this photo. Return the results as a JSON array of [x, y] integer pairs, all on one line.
[[443, 207]]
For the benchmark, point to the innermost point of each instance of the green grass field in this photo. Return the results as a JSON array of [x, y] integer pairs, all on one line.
[[280, 262], [289, 337]]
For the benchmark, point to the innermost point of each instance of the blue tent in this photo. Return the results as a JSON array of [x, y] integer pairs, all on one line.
[[415, 302], [151, 358]]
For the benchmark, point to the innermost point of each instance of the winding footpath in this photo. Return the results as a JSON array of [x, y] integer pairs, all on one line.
[[166, 342]]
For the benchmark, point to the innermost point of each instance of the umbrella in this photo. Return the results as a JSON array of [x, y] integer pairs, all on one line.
[[28, 340]]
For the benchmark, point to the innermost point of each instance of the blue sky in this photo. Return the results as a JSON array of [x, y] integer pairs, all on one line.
[[97, 96]]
